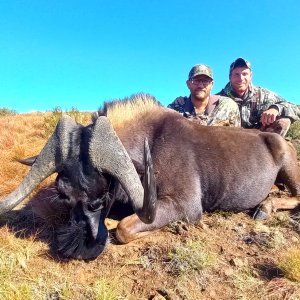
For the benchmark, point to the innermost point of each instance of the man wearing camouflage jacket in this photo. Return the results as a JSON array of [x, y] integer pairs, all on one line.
[[259, 108], [201, 106]]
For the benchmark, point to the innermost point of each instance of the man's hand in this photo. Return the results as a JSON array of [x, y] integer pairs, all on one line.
[[269, 116]]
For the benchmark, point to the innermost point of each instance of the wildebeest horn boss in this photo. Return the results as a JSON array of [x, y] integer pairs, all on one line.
[[167, 167]]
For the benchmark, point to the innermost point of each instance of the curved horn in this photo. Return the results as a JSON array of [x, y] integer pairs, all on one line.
[[108, 154], [48, 161]]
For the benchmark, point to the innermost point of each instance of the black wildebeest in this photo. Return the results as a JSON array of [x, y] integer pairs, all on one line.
[[186, 169]]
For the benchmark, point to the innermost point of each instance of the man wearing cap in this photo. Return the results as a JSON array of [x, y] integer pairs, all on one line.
[[201, 106], [259, 108]]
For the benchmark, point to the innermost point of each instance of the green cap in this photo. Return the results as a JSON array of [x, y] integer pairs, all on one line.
[[200, 70], [239, 62]]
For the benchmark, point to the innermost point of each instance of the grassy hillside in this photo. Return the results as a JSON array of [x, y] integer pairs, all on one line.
[[225, 256]]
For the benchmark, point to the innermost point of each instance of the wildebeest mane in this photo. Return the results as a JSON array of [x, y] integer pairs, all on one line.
[[122, 110]]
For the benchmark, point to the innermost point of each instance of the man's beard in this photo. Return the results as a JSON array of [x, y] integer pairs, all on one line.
[[201, 95]]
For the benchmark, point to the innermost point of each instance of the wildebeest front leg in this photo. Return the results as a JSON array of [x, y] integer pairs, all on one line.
[[131, 227], [273, 204]]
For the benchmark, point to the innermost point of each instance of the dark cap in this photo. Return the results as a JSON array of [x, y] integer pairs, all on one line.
[[239, 62], [200, 70]]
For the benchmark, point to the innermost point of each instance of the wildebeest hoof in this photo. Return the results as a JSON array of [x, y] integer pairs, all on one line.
[[260, 215]]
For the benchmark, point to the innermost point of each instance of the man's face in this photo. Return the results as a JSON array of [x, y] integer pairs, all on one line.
[[200, 87], [240, 79]]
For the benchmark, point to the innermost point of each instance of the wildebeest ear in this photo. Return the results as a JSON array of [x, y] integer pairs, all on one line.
[[100, 112], [27, 161]]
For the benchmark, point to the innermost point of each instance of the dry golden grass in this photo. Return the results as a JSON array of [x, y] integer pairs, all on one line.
[[20, 136]]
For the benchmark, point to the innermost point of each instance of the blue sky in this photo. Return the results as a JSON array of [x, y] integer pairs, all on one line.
[[81, 53]]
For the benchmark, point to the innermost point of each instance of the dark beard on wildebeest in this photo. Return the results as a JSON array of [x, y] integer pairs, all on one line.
[[90, 196], [74, 241]]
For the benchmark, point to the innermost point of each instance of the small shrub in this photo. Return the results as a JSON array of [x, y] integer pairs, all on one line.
[[51, 120], [7, 112], [294, 131]]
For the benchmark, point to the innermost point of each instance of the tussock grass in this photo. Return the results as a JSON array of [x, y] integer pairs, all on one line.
[[105, 289], [247, 284], [191, 256], [290, 264]]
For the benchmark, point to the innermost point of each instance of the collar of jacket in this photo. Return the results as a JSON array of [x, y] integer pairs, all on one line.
[[232, 94]]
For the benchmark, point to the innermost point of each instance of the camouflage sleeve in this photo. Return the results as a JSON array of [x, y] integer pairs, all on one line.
[[285, 108], [235, 118], [234, 115], [178, 104], [226, 113]]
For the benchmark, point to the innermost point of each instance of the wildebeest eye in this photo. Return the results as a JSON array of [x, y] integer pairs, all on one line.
[[65, 199]]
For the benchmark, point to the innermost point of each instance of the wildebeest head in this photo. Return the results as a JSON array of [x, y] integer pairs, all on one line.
[[91, 162], [89, 195]]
